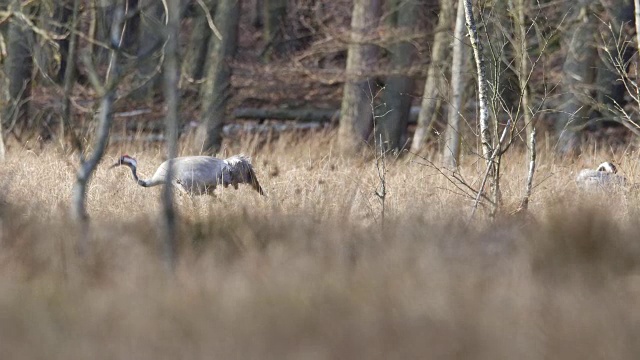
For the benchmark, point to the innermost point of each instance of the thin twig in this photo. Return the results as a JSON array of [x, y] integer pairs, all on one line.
[[490, 165], [210, 22]]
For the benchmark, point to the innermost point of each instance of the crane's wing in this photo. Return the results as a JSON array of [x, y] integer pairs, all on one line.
[[242, 172]]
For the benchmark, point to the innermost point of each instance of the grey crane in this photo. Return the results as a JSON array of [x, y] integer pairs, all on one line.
[[199, 174], [604, 177]]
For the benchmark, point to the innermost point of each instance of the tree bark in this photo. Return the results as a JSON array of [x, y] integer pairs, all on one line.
[[3, 32], [52, 59], [434, 81], [152, 19], [452, 143], [522, 65], [579, 77], [2, 148], [256, 13], [610, 91], [490, 155], [18, 68], [483, 107], [528, 187], [199, 41], [274, 12], [216, 92], [392, 125], [356, 108], [171, 71], [69, 78], [101, 24], [636, 13]]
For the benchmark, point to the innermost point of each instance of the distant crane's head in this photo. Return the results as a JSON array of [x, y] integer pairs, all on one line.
[[605, 166], [127, 161]]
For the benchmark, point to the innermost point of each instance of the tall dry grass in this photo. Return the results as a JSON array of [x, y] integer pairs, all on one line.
[[309, 273]]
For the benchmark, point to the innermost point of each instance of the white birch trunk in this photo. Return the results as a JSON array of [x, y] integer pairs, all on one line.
[[523, 74], [483, 108]]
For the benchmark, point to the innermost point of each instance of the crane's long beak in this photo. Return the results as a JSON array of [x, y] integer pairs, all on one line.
[[115, 165]]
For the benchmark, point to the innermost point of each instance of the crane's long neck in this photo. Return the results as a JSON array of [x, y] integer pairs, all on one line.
[[141, 182]]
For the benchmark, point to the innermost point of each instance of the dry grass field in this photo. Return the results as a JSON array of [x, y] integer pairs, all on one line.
[[309, 272]]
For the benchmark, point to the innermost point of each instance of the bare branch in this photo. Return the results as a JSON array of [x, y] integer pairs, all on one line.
[[87, 167], [207, 14]]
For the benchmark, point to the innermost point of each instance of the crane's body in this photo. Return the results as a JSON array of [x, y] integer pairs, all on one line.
[[604, 177], [199, 174]]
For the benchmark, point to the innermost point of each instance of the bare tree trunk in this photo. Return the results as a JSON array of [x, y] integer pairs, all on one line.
[[522, 57], [131, 26], [356, 119], [274, 12], [579, 75], [216, 92], [69, 78], [3, 33], [255, 13], [171, 70], [152, 19], [636, 4], [609, 90], [392, 125], [531, 147], [435, 75], [452, 144], [103, 13], [87, 166], [199, 41], [101, 28], [523, 68], [2, 148], [52, 60], [18, 68], [489, 154], [483, 108]]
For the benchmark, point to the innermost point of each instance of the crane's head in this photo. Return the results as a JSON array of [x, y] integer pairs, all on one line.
[[606, 167], [127, 161]]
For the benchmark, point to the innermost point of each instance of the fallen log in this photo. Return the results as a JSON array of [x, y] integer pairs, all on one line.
[[305, 115], [302, 115], [153, 133]]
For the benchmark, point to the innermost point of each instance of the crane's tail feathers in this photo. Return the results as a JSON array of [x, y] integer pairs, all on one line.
[[242, 168], [254, 182]]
